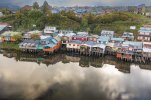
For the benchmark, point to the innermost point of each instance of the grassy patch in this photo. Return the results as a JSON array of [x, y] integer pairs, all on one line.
[[9, 45]]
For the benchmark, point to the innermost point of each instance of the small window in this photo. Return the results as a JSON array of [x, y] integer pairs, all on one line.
[[74, 45]]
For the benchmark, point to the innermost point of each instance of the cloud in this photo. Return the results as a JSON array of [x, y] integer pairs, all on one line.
[[80, 2], [69, 81]]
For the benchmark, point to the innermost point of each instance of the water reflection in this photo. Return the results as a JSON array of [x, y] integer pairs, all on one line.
[[66, 77]]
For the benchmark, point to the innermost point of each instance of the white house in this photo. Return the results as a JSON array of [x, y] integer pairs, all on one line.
[[29, 34], [65, 31], [147, 49], [107, 33], [50, 30], [83, 33], [144, 33], [128, 36], [74, 44], [132, 27], [1, 14]]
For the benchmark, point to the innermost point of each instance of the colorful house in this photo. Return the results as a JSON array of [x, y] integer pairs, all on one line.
[[92, 38], [74, 45], [129, 49], [46, 44], [50, 30], [28, 35], [8, 36], [147, 50], [114, 44], [79, 37], [117, 40], [98, 49], [128, 36], [83, 33], [29, 45], [86, 47], [66, 39], [145, 33], [107, 33], [51, 45], [103, 39]]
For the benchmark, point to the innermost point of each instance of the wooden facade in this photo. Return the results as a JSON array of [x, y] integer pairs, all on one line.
[[144, 34]]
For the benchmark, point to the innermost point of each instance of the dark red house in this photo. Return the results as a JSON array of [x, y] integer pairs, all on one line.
[[79, 37]]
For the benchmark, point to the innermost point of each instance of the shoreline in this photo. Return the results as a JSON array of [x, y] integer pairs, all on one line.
[[63, 51]]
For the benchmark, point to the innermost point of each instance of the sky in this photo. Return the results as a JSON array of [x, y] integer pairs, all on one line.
[[80, 2]]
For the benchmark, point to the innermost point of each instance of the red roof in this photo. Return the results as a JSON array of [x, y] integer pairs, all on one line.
[[4, 23], [147, 26]]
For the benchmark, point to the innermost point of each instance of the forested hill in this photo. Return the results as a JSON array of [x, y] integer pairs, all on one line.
[[24, 20]]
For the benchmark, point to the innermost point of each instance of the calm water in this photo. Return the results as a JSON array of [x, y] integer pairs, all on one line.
[[67, 77]]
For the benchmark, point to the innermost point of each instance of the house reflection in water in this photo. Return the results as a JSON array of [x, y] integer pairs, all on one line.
[[82, 60]]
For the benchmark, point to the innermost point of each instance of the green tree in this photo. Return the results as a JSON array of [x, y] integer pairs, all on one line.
[[35, 5], [84, 23], [45, 8], [35, 36], [17, 38], [97, 29]]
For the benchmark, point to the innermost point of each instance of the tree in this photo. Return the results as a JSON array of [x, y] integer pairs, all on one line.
[[97, 29], [84, 23], [35, 5], [35, 36], [17, 38], [45, 8]]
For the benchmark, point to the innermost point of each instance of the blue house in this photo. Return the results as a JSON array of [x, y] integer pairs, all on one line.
[[103, 39]]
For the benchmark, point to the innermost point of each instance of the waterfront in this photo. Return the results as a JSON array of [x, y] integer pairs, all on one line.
[[65, 77]]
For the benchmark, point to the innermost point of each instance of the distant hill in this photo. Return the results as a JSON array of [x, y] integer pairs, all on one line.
[[9, 6]]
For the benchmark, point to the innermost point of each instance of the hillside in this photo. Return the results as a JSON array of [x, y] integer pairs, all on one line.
[[119, 22]]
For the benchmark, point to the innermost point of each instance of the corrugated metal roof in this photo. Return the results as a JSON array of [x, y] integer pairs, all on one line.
[[10, 33], [76, 41], [134, 44], [50, 45], [2, 27], [117, 39], [103, 38]]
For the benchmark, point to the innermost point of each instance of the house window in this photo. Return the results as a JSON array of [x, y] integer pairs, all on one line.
[[73, 44], [146, 38]]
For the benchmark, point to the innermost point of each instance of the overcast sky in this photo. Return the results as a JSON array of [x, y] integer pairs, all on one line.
[[80, 2]]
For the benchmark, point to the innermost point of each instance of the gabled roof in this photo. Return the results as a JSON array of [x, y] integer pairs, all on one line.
[[117, 39], [70, 34], [100, 46], [107, 32], [82, 33], [35, 32], [79, 36], [3, 25], [44, 37], [57, 38], [50, 39], [76, 42], [127, 33], [89, 43], [10, 33], [134, 44], [103, 38], [49, 45]]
